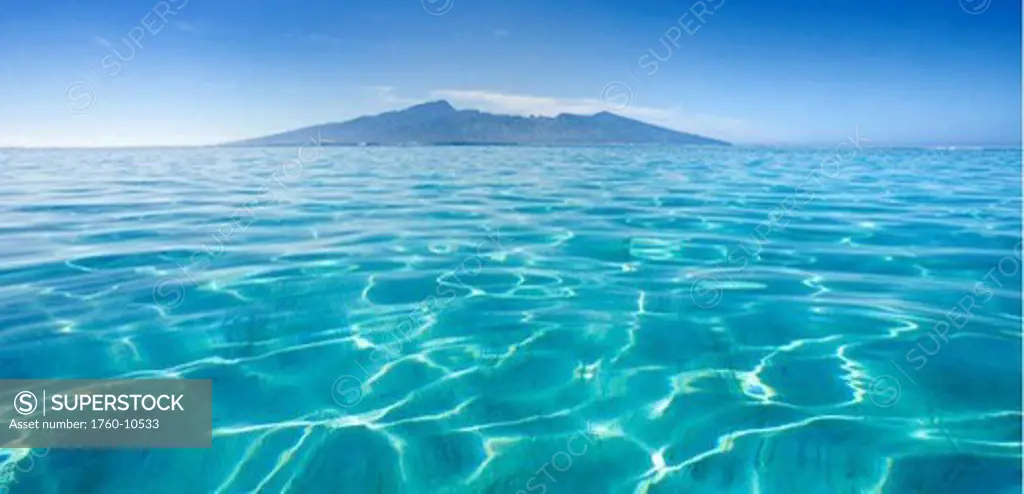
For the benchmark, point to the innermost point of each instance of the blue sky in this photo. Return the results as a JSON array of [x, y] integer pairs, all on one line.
[[913, 72]]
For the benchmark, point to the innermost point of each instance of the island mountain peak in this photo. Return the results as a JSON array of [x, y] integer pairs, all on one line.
[[439, 106], [439, 123]]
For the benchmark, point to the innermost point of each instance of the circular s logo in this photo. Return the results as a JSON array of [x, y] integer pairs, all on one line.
[[706, 292], [168, 293], [347, 391], [25, 403], [616, 96], [437, 7], [975, 7], [79, 97], [884, 391]]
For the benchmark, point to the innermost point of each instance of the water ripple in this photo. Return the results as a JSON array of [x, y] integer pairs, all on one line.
[[447, 320]]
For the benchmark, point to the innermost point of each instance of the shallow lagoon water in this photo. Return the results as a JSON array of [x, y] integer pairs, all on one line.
[[503, 320]]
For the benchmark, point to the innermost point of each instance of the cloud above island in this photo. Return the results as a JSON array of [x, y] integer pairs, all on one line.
[[729, 128]]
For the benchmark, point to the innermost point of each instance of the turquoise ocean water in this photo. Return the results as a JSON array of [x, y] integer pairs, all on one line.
[[529, 320]]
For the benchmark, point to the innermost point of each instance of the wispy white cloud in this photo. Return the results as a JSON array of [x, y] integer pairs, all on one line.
[[518, 104], [389, 95], [729, 128], [185, 26], [102, 41]]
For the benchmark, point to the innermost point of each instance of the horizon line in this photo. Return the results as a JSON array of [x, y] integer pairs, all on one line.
[[929, 147]]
